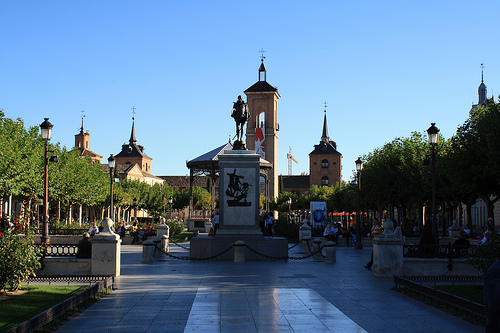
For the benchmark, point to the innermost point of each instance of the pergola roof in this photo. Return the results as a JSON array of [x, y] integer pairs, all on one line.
[[209, 162]]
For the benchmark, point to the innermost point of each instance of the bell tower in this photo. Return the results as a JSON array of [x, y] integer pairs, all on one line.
[[262, 127]]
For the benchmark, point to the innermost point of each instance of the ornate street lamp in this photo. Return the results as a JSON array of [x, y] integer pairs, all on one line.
[[170, 201], [433, 133], [46, 128], [111, 163], [359, 167]]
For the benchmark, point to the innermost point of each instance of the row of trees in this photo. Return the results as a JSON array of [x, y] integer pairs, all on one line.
[[395, 175], [398, 174], [75, 182]]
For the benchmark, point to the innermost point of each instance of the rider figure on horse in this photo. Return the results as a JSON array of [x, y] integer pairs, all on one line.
[[241, 115]]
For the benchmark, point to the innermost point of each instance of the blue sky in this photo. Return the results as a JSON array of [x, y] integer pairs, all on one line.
[[385, 69]]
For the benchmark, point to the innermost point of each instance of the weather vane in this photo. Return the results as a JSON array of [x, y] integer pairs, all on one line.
[[133, 112], [325, 105], [262, 57], [83, 113]]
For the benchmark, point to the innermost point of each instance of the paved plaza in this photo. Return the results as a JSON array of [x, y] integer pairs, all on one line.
[[294, 296]]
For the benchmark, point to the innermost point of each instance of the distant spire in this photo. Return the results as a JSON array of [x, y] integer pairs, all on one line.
[[325, 136], [482, 89], [262, 68], [82, 128], [133, 138]]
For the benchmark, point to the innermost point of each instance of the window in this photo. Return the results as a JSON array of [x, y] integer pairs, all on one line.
[[324, 164], [324, 181]]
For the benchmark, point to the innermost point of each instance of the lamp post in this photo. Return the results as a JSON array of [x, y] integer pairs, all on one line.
[[170, 201], [289, 201], [359, 166], [135, 209], [433, 133], [111, 163], [46, 128]]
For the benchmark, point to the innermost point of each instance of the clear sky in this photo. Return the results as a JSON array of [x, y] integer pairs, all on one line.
[[385, 69]]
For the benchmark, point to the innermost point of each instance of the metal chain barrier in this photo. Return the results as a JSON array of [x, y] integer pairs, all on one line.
[[193, 259], [286, 257], [320, 249], [291, 247], [179, 245]]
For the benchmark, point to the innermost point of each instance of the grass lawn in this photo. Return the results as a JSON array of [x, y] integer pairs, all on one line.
[[473, 293], [181, 238], [31, 301]]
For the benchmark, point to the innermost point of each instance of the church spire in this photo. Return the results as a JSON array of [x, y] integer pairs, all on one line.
[[133, 138], [324, 136], [482, 89], [262, 68]]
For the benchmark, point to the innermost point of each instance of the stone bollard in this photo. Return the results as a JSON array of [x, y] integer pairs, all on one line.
[[239, 251], [316, 247], [305, 230], [305, 245], [331, 252], [156, 248], [147, 251], [164, 245]]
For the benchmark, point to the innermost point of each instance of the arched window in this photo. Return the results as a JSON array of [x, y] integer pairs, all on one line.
[[324, 180], [324, 164]]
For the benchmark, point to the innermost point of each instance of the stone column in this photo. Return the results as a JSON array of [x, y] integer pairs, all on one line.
[[162, 229], [387, 253], [239, 251], [305, 230], [330, 252], [106, 251], [316, 247]]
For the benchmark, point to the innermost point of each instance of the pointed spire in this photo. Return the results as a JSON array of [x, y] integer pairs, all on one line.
[[325, 136], [482, 89], [133, 138], [262, 68], [81, 129]]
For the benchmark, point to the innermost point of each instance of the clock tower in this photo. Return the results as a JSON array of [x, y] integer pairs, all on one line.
[[262, 127]]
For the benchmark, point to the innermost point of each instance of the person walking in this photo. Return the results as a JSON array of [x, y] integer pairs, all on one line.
[[375, 232]]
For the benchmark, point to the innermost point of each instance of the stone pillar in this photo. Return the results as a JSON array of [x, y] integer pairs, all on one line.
[[164, 243], [239, 251], [162, 229], [387, 253], [305, 244], [330, 251], [106, 251], [147, 251], [316, 247], [305, 230]]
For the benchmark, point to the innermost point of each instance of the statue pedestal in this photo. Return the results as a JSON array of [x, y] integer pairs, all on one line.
[[387, 256], [239, 172]]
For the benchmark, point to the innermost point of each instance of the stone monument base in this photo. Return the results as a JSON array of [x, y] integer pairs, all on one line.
[[204, 246]]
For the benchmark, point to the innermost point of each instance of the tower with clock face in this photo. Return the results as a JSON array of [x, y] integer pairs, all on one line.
[[262, 127]]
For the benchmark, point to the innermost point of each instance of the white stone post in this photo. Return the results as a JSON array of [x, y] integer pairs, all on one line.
[[162, 229], [387, 253], [316, 247], [305, 244], [147, 251], [106, 251], [331, 252], [239, 251], [305, 230], [164, 245]]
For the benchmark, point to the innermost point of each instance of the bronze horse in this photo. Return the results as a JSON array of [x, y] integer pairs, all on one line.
[[241, 115]]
